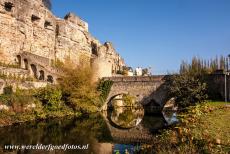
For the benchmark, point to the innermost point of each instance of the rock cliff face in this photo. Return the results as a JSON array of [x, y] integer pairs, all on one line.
[[29, 26]]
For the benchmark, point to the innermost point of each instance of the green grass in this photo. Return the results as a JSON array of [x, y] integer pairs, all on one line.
[[217, 103], [214, 125], [203, 129]]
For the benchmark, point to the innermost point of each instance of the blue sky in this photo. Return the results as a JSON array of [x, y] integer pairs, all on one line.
[[156, 33]]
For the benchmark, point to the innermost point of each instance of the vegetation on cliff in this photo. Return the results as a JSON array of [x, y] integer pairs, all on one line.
[[78, 89], [75, 93], [27, 105]]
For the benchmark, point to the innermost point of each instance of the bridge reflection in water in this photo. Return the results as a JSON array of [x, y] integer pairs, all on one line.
[[130, 125], [119, 130]]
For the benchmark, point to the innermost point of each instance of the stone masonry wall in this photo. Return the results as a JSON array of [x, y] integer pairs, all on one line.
[[216, 86], [29, 26]]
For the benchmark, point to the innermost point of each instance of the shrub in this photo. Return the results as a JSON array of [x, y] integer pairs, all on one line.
[[51, 97], [57, 63], [187, 89], [18, 100], [104, 88], [8, 90], [78, 88]]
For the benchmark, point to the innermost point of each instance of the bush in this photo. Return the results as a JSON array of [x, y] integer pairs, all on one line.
[[104, 87], [187, 89], [18, 100], [8, 90], [78, 88], [51, 97]]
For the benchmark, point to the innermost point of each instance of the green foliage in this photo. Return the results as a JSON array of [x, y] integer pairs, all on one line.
[[6, 99], [104, 88], [126, 117], [129, 100], [79, 90], [51, 97], [200, 66], [197, 74], [8, 90], [18, 100], [187, 89], [57, 63]]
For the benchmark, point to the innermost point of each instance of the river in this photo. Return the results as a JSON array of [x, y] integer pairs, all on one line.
[[118, 131]]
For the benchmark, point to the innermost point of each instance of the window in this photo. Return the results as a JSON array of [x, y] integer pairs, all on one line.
[[47, 24], [50, 79], [8, 6], [94, 49], [35, 18]]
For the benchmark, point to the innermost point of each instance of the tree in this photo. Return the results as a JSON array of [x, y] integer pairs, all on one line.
[[51, 97], [201, 67], [78, 88], [187, 89]]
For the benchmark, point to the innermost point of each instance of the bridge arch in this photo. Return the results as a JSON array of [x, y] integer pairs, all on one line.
[[147, 90], [109, 103]]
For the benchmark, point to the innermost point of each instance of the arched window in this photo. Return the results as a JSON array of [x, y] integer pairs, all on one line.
[[34, 70], [50, 79], [41, 75], [94, 49], [19, 60], [26, 64]]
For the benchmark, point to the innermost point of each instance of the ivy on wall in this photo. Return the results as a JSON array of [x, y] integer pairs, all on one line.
[[104, 88]]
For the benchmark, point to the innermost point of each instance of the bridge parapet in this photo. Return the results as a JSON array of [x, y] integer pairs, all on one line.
[[136, 78], [146, 89]]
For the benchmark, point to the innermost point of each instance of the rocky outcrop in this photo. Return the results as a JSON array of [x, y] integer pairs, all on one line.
[[29, 26]]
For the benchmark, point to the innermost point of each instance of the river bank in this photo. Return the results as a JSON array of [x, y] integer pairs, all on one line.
[[32, 105], [203, 129], [8, 118]]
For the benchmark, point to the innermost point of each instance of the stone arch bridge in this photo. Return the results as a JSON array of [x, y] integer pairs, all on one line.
[[149, 90]]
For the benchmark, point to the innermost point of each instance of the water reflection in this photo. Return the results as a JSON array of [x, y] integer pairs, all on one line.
[[126, 117], [136, 130], [170, 117]]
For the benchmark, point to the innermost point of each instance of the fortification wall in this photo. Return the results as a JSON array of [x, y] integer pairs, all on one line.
[[29, 26]]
